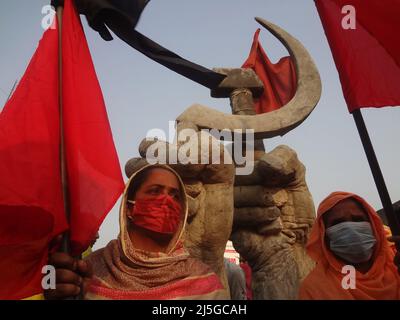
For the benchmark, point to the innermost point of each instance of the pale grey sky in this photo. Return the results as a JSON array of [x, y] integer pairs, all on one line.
[[141, 95]]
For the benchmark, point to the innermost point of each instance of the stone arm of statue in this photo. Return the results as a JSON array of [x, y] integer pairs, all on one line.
[[273, 214]]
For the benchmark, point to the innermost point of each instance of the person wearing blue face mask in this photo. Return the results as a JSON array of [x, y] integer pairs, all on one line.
[[349, 234], [349, 245]]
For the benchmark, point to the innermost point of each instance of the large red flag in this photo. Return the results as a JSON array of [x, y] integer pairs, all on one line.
[[367, 57], [94, 174], [279, 79], [31, 207], [31, 201]]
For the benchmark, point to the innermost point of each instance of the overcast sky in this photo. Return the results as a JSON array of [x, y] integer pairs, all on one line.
[[141, 95]]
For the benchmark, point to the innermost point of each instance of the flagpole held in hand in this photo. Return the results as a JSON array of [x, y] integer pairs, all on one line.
[[65, 246]]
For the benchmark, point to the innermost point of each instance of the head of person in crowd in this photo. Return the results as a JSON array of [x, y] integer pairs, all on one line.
[[153, 211], [349, 233]]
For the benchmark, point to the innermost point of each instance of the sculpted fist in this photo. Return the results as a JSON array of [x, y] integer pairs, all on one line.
[[274, 212]]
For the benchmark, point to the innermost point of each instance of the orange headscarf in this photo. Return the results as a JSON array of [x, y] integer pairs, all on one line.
[[324, 282]]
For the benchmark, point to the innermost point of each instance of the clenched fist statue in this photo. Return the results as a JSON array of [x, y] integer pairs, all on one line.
[[274, 212]]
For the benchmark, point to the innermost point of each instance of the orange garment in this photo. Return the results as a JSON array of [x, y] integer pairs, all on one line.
[[324, 282]]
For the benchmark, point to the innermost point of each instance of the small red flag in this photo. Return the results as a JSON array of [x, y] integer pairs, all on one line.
[[31, 201], [363, 37], [279, 79]]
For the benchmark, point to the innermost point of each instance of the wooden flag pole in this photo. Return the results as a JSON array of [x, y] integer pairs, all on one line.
[[393, 220], [65, 246]]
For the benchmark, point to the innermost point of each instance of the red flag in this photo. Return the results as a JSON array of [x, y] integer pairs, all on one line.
[[31, 201], [279, 79], [31, 207], [367, 57], [94, 174]]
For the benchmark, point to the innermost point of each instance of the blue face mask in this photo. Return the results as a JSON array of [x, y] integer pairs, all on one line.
[[352, 241]]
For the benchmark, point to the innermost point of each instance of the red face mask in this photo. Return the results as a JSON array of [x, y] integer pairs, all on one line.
[[161, 214]]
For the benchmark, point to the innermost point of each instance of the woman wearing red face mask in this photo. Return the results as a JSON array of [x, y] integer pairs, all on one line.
[[148, 260]]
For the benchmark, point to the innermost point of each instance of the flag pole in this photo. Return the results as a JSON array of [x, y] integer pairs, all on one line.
[[65, 245], [393, 220]]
